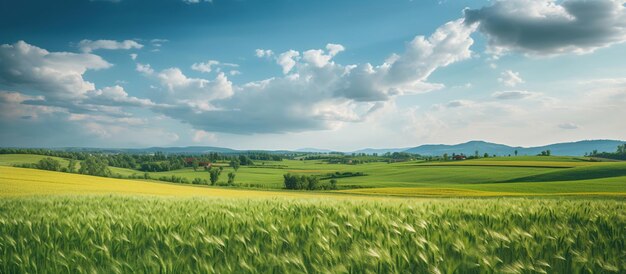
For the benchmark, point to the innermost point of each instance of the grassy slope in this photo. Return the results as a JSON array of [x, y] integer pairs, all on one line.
[[463, 177], [26, 182], [579, 173], [17, 159], [599, 187]]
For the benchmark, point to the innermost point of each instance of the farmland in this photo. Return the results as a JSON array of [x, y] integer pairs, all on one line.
[[526, 175], [504, 215], [175, 235]]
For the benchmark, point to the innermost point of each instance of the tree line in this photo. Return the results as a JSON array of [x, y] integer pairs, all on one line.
[[307, 182], [619, 154], [155, 162]]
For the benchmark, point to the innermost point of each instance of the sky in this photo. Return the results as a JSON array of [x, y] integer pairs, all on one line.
[[286, 74]]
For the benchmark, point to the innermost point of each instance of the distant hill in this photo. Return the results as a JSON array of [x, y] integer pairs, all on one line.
[[380, 150], [571, 149], [566, 149], [167, 150], [313, 150]]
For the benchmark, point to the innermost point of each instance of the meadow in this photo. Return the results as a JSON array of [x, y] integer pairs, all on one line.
[[501, 176]]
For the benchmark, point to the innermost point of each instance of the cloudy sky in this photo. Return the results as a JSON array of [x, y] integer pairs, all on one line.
[[284, 74]]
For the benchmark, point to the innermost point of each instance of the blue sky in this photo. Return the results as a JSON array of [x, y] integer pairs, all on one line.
[[287, 74]]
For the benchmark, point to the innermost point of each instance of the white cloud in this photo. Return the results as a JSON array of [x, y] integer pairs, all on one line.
[[212, 65], [201, 136], [194, 92], [263, 53], [514, 94], [57, 75], [549, 27], [144, 68], [333, 49], [315, 93], [89, 45], [133, 56], [157, 43], [116, 96], [197, 1], [205, 67], [510, 78], [320, 58], [287, 60]]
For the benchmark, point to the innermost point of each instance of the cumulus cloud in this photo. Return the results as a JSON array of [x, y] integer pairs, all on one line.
[[287, 60], [263, 53], [201, 136], [89, 45], [57, 75], [510, 78], [196, 94], [210, 65], [406, 73], [116, 96], [513, 95], [53, 97], [315, 92], [548, 27], [144, 68], [204, 67], [320, 58]]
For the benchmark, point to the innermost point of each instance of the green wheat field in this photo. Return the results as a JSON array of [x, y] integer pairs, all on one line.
[[500, 215]]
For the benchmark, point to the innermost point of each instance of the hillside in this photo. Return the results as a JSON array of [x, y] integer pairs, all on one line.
[[567, 149]]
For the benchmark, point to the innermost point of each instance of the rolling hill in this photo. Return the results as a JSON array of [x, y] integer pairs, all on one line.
[[469, 148]]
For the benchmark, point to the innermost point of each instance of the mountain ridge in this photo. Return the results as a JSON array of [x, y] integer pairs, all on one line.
[[576, 148]]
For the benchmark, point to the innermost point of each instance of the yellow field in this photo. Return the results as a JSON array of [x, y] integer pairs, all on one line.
[[27, 182]]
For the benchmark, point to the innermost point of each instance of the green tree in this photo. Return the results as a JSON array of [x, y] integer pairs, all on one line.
[[234, 163], [312, 182], [95, 166], [486, 155], [214, 175], [333, 184], [49, 164], [71, 166], [231, 178], [445, 156], [516, 152], [621, 149], [195, 164]]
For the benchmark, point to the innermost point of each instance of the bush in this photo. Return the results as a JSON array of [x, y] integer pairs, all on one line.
[[198, 181]]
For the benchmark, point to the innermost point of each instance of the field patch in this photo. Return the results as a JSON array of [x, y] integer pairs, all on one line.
[[27, 182], [578, 173], [113, 234]]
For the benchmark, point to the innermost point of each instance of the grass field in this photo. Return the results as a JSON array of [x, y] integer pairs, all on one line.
[[484, 177]]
